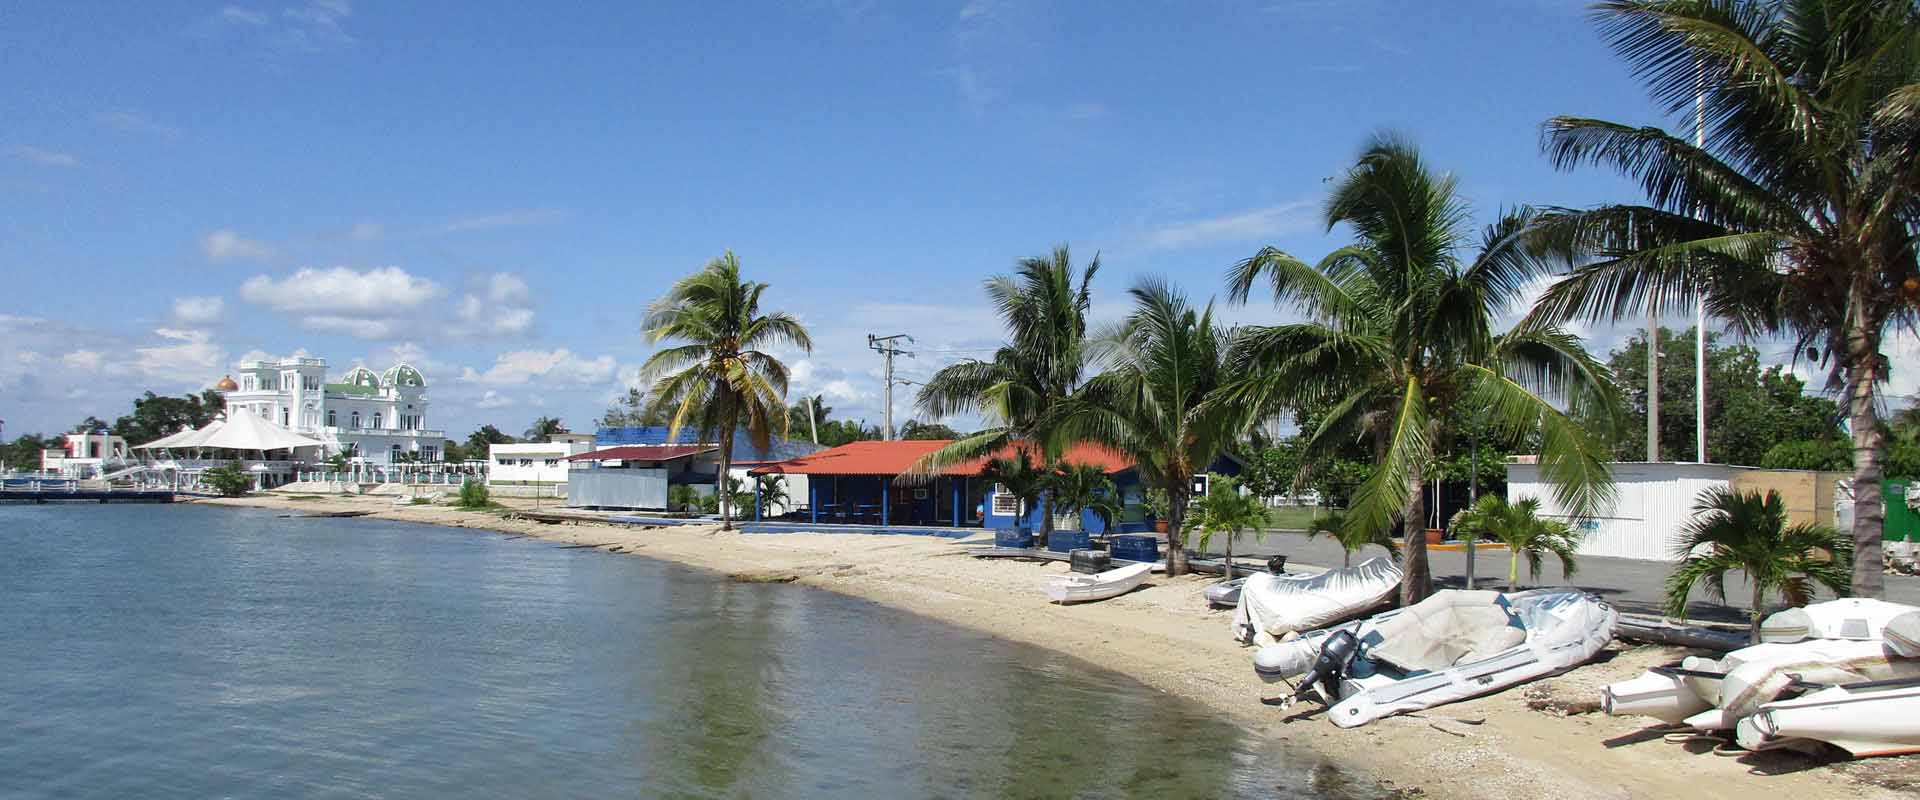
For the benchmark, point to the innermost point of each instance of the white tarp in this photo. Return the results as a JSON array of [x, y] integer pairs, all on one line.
[[1271, 606], [170, 440]]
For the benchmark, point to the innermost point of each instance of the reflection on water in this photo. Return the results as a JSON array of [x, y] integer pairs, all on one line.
[[201, 652]]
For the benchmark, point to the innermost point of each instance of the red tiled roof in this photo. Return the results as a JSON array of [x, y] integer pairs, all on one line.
[[645, 452], [894, 458]]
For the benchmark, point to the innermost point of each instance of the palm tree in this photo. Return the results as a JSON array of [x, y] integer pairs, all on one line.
[[1333, 524], [1741, 530], [1520, 528], [1044, 307], [1162, 362], [772, 490], [544, 428], [1399, 337], [1020, 476], [1226, 510], [719, 380], [1797, 217], [1084, 487]]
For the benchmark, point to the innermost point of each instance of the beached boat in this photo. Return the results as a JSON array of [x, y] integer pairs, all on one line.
[[1449, 647], [1879, 718], [1225, 594], [1851, 640], [1100, 586], [1272, 606]]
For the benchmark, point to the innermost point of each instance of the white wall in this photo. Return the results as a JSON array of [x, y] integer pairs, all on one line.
[[1651, 502], [542, 462]]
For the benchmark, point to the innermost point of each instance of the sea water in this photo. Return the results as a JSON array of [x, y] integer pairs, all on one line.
[[192, 651]]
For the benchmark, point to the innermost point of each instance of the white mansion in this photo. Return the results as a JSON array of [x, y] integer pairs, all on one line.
[[380, 416]]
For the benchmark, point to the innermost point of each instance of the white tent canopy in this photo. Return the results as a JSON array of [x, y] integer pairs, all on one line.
[[239, 431]]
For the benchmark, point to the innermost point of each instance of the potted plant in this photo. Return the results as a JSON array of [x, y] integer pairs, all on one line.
[[1157, 508]]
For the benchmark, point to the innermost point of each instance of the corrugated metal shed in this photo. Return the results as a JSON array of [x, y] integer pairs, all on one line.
[[1652, 501]]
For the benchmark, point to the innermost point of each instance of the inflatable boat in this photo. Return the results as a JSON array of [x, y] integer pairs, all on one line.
[[1272, 606]]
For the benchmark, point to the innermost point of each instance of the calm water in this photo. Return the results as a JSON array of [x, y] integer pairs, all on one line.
[[185, 651]]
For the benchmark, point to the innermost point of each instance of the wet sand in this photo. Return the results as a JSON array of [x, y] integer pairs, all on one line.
[[1521, 743]]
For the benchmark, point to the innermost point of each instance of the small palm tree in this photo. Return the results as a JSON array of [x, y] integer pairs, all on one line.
[[718, 380], [544, 428], [1227, 510], [1352, 539], [1084, 487], [1163, 362], [1020, 477], [773, 491], [1742, 530], [1520, 528]]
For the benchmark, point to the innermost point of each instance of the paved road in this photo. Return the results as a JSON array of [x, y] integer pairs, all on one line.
[[1629, 584]]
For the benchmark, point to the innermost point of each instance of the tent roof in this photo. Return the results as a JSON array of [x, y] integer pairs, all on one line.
[[239, 431]]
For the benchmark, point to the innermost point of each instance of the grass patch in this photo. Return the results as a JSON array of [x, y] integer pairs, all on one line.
[[1292, 518], [303, 497]]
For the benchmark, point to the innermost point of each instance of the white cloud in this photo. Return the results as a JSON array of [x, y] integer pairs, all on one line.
[[507, 219], [498, 306], [83, 360], [227, 245], [492, 399], [315, 26], [342, 291], [1242, 226], [558, 367], [235, 15], [131, 122], [199, 310], [990, 49], [42, 156]]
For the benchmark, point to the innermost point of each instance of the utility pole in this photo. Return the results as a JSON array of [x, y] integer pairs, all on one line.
[[1700, 302], [887, 347], [813, 417], [1653, 384]]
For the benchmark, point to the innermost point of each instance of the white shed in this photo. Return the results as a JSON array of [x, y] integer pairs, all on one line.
[[1651, 502]]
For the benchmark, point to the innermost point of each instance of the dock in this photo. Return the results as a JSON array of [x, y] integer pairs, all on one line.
[[74, 494]]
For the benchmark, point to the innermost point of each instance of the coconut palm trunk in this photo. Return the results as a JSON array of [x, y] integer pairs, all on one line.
[[1177, 501], [720, 480], [1869, 442], [1417, 582]]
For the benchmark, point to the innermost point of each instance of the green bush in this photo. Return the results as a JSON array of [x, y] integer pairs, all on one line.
[[231, 480], [474, 494], [710, 504], [682, 498]]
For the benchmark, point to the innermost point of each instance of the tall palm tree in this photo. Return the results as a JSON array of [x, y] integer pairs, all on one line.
[[1044, 307], [1526, 535], [1797, 217], [1162, 362], [1399, 336], [719, 380], [1741, 530]]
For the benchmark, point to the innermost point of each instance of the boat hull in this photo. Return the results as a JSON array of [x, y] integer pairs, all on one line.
[[1091, 588], [1863, 722]]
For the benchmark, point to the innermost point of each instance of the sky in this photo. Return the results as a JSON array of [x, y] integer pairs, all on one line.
[[494, 192]]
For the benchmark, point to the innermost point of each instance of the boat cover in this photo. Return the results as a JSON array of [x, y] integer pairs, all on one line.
[[1272, 606]]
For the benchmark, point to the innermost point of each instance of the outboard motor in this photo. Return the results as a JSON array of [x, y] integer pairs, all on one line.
[[1277, 565], [1327, 670]]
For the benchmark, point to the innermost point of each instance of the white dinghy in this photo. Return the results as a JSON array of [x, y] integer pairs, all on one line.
[[1100, 586], [1851, 640], [1272, 606], [1449, 647], [1877, 718]]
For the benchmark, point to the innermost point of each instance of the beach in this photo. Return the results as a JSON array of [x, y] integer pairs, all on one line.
[[1541, 740]]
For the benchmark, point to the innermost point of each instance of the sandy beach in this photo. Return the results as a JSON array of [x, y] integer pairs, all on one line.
[[1543, 740]]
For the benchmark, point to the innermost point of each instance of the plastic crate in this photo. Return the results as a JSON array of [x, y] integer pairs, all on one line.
[[1134, 548], [1090, 562], [1013, 537], [1069, 541]]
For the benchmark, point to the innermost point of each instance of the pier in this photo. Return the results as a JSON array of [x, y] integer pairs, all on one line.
[[75, 492]]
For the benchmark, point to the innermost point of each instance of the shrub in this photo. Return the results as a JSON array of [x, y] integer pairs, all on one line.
[[682, 498], [474, 494], [231, 480]]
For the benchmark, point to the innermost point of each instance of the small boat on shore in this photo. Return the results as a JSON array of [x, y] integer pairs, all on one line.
[[1271, 606], [1876, 718], [1100, 586], [1449, 647]]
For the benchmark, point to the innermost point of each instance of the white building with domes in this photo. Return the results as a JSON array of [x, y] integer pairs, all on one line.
[[381, 417]]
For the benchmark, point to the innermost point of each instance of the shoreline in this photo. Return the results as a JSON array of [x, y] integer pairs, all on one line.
[[1513, 744]]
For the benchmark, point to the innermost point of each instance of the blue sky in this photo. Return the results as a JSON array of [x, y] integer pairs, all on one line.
[[494, 191]]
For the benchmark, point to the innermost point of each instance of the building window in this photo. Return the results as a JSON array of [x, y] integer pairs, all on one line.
[[526, 462], [286, 417], [553, 462], [355, 419], [376, 421], [332, 421]]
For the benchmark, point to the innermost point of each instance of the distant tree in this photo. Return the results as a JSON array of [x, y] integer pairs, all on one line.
[[917, 430], [798, 415], [1823, 454], [543, 429], [230, 480], [155, 416], [480, 442], [91, 424], [843, 431], [632, 410], [451, 452], [1271, 470], [1746, 532], [23, 453], [1750, 409]]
